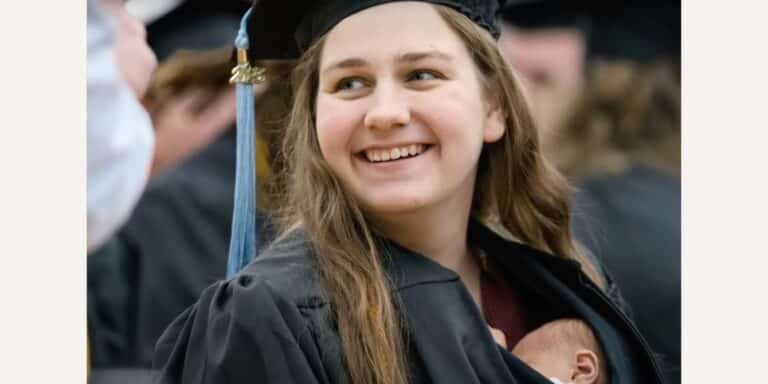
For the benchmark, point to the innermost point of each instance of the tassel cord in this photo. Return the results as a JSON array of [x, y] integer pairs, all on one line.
[[242, 245]]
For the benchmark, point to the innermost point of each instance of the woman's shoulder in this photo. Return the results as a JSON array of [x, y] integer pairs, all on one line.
[[285, 269], [268, 304], [277, 284]]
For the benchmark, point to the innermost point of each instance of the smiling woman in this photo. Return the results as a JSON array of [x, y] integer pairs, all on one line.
[[400, 154], [415, 85]]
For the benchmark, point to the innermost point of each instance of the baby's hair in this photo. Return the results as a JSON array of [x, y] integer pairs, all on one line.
[[562, 333]]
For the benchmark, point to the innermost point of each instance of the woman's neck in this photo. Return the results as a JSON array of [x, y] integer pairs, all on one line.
[[439, 233]]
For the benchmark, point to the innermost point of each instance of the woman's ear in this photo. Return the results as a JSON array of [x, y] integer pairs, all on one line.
[[587, 367], [495, 121]]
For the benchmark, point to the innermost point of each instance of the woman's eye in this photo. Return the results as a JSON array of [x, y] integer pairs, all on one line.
[[422, 75], [349, 84]]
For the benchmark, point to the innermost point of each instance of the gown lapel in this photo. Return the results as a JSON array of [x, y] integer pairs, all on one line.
[[455, 346], [562, 284]]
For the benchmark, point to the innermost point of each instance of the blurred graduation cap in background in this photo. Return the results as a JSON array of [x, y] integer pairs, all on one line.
[[627, 29], [636, 30], [541, 14], [188, 24]]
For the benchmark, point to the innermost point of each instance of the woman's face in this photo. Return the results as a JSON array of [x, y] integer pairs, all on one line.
[[401, 114]]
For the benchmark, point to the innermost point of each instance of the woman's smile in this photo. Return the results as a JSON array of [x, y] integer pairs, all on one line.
[[394, 163], [393, 152], [402, 126]]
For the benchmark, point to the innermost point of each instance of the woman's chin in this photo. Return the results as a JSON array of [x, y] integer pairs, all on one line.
[[393, 205]]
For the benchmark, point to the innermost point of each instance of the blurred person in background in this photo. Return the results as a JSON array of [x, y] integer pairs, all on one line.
[[176, 242], [628, 200], [119, 131], [551, 43], [191, 104], [179, 227], [628, 114], [620, 146], [604, 84], [190, 110], [546, 42]]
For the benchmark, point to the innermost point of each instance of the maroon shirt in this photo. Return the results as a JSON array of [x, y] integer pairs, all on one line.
[[504, 306]]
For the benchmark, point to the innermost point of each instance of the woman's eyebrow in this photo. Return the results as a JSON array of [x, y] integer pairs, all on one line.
[[418, 56], [352, 62], [408, 57]]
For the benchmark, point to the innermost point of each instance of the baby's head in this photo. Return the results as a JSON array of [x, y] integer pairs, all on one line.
[[566, 350]]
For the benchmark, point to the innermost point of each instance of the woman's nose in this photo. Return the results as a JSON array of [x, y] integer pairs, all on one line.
[[388, 109]]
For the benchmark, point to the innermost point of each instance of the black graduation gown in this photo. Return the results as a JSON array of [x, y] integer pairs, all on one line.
[[269, 325], [171, 249], [631, 223], [167, 253]]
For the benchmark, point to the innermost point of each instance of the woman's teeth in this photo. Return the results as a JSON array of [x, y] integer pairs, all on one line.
[[378, 155]]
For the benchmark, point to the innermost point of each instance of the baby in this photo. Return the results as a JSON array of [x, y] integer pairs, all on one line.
[[564, 350]]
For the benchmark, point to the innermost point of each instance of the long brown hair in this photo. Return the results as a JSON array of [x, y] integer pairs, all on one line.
[[207, 70], [628, 113], [515, 188]]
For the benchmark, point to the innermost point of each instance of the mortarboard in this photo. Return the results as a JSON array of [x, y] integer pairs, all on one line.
[[194, 25], [534, 14], [624, 29], [636, 30], [284, 29]]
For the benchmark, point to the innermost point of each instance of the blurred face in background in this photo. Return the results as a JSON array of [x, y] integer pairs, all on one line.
[[548, 59], [136, 60], [550, 62]]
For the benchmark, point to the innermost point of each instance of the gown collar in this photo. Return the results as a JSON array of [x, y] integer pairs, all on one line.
[[408, 268]]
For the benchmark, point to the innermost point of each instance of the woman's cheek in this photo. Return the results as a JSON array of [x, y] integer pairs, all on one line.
[[335, 126]]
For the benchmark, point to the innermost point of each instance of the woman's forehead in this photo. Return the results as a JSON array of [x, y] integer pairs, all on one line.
[[391, 30]]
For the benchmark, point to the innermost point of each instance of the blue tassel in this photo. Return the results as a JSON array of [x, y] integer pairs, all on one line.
[[242, 244]]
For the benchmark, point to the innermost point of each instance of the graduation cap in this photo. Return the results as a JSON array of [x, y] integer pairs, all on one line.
[[620, 29], [284, 29], [536, 14], [193, 25], [637, 30]]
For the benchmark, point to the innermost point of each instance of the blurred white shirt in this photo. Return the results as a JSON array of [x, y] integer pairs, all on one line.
[[120, 135]]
